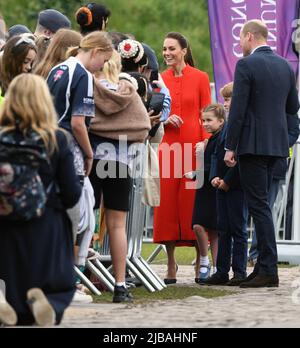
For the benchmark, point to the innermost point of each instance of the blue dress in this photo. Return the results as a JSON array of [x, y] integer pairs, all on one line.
[[205, 206]]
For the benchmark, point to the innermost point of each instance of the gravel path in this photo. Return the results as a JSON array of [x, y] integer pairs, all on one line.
[[273, 307]]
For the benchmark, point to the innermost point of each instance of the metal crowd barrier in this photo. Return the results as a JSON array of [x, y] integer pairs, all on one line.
[[135, 228]]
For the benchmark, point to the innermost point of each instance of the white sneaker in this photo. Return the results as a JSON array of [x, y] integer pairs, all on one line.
[[8, 315], [81, 297]]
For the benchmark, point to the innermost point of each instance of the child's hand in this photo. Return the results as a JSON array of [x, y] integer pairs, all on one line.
[[223, 186], [215, 182], [189, 175]]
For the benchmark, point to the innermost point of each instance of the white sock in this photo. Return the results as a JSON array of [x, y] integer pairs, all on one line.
[[214, 270], [204, 261], [121, 284]]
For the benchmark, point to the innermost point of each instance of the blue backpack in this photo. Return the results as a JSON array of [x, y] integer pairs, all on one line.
[[22, 193]]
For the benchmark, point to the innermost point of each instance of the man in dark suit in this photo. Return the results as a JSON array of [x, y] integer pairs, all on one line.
[[264, 92]]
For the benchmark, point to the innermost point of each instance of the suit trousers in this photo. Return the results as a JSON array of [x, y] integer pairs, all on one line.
[[256, 177], [233, 238]]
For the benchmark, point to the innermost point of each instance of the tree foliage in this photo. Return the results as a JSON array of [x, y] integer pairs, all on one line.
[[148, 20]]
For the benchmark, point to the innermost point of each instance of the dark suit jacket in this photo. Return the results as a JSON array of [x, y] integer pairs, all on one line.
[[264, 92], [219, 169]]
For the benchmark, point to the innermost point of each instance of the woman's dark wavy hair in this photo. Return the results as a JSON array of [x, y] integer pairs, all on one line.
[[183, 42]]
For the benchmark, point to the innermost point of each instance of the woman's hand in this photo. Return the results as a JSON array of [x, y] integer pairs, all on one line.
[[174, 121]]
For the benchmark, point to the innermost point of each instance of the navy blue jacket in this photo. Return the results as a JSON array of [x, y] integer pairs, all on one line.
[[231, 176], [264, 93]]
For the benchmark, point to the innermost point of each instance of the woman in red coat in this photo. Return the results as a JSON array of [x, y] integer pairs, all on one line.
[[190, 92]]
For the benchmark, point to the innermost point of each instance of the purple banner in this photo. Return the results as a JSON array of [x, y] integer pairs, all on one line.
[[226, 18]]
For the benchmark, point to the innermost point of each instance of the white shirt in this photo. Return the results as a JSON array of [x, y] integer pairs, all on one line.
[[256, 48]]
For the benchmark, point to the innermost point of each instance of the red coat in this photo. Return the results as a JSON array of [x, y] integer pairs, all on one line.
[[190, 94]]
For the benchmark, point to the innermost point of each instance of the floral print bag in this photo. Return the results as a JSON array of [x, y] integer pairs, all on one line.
[[22, 193]]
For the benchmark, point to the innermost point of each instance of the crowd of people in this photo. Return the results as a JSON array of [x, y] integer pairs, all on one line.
[[74, 102]]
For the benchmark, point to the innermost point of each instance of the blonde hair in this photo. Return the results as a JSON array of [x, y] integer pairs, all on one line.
[[217, 109], [28, 106], [57, 49], [96, 39], [227, 90], [256, 27], [113, 67]]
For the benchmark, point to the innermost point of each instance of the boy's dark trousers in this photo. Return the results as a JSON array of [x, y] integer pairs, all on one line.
[[233, 237]]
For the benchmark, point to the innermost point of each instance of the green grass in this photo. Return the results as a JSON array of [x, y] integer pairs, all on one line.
[[184, 255], [286, 265], [174, 292]]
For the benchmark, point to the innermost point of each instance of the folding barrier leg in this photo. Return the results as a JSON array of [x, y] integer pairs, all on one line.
[[99, 275], [87, 282], [148, 274], [104, 271], [158, 279], [155, 253], [139, 276]]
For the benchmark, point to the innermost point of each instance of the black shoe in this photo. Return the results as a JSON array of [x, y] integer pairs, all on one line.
[[121, 294], [215, 279], [250, 277], [169, 281], [262, 281], [236, 281]]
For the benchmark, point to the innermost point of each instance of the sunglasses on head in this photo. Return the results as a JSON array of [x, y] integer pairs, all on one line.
[[25, 40]]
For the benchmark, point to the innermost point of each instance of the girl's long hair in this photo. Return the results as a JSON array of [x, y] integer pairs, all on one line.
[[113, 67], [57, 49], [28, 107], [96, 39]]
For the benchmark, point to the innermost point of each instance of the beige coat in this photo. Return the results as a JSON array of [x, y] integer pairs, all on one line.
[[120, 112]]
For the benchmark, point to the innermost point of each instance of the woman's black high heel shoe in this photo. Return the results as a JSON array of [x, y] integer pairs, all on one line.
[[169, 281]]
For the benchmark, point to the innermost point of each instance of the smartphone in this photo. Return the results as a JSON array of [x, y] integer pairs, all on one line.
[[154, 77]]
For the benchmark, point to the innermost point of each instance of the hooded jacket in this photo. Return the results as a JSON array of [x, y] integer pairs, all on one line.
[[120, 112]]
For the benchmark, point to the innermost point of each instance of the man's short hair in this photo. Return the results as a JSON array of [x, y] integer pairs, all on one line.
[[256, 27]]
